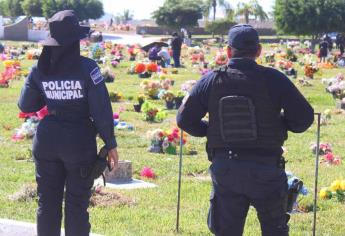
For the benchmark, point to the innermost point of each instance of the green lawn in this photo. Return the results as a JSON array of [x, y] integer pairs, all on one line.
[[154, 210]]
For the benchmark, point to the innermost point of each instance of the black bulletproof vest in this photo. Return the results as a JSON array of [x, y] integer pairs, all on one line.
[[241, 113]]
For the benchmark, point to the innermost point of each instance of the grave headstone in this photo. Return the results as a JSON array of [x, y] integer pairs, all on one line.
[[122, 174]]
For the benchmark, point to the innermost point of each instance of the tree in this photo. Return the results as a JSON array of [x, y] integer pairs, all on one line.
[[253, 8], [126, 16], [32, 7], [179, 13], [309, 18], [12, 8], [220, 27], [85, 9], [211, 5]]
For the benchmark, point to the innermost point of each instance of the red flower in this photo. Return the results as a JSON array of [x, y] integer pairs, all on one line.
[[42, 113], [147, 172], [170, 138], [24, 115], [140, 68]]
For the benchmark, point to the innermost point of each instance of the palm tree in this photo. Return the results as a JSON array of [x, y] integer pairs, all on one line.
[[252, 8], [213, 4], [126, 16]]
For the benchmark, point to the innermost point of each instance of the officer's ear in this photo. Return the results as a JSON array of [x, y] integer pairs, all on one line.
[[229, 52], [258, 53]]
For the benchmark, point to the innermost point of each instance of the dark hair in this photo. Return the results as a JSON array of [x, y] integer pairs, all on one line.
[[248, 53]]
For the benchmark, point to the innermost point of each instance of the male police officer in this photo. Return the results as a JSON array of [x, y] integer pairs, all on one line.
[[64, 147], [250, 108]]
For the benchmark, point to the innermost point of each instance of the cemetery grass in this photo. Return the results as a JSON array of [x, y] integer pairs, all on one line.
[[154, 211]]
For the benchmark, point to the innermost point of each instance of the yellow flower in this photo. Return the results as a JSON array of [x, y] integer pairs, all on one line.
[[325, 194], [342, 185], [336, 185]]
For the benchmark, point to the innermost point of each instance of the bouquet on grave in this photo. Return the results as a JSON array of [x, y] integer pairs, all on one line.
[[310, 70], [97, 52], [336, 190], [327, 156], [151, 87], [221, 58], [172, 140], [152, 113], [156, 138]]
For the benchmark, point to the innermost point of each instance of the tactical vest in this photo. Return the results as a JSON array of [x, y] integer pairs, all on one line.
[[241, 113]]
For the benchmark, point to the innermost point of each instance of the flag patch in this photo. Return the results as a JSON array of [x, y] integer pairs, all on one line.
[[96, 76]]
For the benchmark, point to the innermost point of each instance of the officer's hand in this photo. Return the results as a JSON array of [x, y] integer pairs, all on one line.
[[113, 159]]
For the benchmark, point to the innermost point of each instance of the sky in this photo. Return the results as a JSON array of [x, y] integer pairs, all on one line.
[[142, 9]]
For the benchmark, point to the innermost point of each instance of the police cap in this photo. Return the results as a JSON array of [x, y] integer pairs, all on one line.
[[243, 37]]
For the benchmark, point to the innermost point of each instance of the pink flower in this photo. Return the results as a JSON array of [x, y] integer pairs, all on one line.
[[147, 172], [329, 157], [116, 116]]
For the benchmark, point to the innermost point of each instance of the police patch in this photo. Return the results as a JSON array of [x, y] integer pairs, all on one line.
[[96, 76]]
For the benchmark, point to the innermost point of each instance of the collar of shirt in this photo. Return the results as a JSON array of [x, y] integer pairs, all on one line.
[[242, 63]]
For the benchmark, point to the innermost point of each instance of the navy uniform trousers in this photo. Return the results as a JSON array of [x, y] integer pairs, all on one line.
[[239, 184], [64, 152]]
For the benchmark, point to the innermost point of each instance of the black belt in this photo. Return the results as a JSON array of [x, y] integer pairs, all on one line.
[[249, 156]]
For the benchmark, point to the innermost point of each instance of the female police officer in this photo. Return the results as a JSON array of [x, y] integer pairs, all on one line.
[[64, 147]]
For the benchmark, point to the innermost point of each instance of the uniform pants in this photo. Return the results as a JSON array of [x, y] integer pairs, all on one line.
[[62, 165], [237, 185]]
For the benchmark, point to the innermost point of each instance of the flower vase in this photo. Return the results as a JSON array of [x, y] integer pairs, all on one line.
[[156, 147], [169, 105], [178, 102], [171, 150], [137, 107]]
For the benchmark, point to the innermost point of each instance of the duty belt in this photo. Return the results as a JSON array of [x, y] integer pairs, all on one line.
[[274, 160]]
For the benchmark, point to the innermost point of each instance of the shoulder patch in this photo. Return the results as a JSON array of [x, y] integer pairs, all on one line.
[[96, 76]]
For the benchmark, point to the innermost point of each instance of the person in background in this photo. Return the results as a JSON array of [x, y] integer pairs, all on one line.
[[323, 53], [251, 109], [153, 53], [165, 56], [176, 45], [64, 147]]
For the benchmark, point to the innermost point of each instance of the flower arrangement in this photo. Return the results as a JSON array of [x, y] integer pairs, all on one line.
[[115, 63], [156, 138], [140, 68], [172, 140], [221, 58], [179, 99], [327, 156], [151, 88], [11, 72], [188, 85], [152, 113], [27, 129], [169, 98], [336, 189], [141, 99], [115, 96], [108, 75], [165, 141], [97, 52], [152, 67], [310, 70], [325, 117], [147, 172]]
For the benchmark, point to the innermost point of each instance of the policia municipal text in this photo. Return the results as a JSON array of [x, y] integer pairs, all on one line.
[[251, 108]]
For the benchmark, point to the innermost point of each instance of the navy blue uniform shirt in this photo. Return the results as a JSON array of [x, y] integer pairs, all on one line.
[[298, 114], [82, 96]]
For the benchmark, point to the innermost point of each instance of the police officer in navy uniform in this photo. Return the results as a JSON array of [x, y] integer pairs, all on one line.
[[250, 109], [64, 147]]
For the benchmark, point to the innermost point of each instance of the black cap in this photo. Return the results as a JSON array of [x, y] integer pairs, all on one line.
[[65, 29], [243, 37]]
